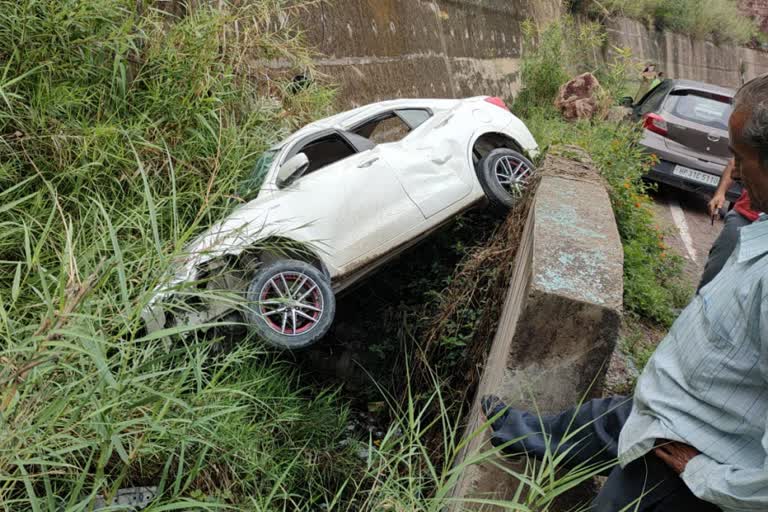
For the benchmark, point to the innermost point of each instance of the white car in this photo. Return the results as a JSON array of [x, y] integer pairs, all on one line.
[[340, 197]]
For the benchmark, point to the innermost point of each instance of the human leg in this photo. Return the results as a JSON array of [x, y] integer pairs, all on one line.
[[647, 485], [589, 433]]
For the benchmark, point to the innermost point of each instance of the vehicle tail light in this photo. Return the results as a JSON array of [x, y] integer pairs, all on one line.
[[493, 100], [655, 123]]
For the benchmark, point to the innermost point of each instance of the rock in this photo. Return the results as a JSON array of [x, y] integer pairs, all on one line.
[[133, 498], [578, 98]]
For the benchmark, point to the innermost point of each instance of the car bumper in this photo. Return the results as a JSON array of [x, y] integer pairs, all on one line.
[[663, 172]]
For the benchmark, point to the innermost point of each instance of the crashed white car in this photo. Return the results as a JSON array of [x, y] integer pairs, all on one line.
[[340, 197]]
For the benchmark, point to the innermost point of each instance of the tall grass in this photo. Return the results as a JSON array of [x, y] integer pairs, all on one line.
[[704, 19]]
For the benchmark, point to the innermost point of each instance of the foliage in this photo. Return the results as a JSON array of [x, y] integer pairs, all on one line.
[[721, 20]]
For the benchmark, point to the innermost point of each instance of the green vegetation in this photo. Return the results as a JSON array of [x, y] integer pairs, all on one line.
[[650, 271], [721, 20], [120, 133]]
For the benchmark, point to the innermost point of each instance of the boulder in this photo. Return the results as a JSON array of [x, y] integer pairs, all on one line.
[[578, 98]]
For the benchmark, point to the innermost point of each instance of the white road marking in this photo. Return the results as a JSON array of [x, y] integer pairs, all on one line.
[[679, 217]]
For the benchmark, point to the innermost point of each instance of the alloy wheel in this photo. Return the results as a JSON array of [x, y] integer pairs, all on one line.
[[291, 303], [512, 174]]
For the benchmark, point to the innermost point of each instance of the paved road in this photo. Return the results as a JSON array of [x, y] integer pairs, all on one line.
[[691, 232]]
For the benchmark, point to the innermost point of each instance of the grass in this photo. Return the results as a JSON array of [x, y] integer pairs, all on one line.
[[721, 20], [123, 133]]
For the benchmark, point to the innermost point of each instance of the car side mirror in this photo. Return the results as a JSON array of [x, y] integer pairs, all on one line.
[[294, 167], [627, 101]]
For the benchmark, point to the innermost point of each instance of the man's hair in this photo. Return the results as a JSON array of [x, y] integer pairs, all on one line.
[[753, 99]]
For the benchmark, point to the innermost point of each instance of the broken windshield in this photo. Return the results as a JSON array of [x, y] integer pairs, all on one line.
[[251, 184]]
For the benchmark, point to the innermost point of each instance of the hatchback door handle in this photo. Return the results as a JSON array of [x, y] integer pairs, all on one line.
[[368, 163], [713, 138]]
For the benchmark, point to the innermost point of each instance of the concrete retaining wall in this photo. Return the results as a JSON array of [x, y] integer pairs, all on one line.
[[680, 56], [381, 49], [561, 317]]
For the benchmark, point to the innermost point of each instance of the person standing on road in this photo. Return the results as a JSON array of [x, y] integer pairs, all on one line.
[[741, 215], [694, 437]]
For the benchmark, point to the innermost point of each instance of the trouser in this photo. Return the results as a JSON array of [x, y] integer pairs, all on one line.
[[647, 483], [723, 246]]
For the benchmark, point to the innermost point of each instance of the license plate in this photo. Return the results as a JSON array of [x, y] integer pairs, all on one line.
[[693, 174]]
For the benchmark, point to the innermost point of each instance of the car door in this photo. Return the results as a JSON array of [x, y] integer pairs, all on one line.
[[353, 208], [428, 163]]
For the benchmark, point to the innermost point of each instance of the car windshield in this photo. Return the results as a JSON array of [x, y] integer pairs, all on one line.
[[249, 187]]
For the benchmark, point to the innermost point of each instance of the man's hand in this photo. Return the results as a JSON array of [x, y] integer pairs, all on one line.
[[717, 202], [675, 455]]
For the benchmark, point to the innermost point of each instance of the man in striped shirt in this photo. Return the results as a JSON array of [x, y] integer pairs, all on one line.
[[694, 437]]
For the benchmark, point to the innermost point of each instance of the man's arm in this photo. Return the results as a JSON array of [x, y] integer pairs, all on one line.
[[726, 180]]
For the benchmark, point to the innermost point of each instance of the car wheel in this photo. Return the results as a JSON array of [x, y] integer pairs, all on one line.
[[504, 174], [290, 304]]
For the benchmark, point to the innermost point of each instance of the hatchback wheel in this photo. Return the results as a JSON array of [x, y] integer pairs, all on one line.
[[290, 304], [504, 175]]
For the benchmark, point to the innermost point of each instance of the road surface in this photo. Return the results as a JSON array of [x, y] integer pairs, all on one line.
[[691, 232]]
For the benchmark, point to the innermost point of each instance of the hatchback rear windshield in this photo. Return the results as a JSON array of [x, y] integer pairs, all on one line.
[[699, 107]]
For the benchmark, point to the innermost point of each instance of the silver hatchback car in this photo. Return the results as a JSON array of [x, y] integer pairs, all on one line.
[[686, 126]]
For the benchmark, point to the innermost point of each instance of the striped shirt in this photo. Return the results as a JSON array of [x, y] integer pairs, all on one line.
[[707, 384]]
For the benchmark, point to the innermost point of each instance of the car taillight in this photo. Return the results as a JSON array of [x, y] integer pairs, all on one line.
[[655, 123], [493, 100]]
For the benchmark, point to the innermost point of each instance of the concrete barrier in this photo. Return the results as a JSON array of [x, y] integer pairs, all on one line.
[[562, 313]]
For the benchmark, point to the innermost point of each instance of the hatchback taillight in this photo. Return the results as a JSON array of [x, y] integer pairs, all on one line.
[[655, 123], [493, 100]]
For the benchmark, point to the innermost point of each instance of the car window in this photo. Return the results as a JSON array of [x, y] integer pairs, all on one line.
[[653, 101], [325, 151], [414, 117], [384, 129], [702, 108]]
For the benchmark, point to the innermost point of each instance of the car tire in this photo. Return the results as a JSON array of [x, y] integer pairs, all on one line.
[[290, 304], [503, 175]]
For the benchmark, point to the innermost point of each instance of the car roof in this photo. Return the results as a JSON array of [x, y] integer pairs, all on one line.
[[702, 86]]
